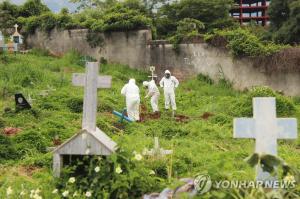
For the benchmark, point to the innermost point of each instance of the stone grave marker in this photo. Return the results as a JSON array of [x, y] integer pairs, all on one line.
[[266, 129], [152, 69], [90, 140], [21, 102], [157, 151]]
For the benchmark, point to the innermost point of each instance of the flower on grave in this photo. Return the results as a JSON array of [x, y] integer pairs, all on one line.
[[37, 191], [138, 157], [32, 192], [152, 172], [36, 196], [88, 194], [55, 191], [119, 170], [65, 193], [97, 169], [289, 178], [23, 193], [75, 194], [9, 191], [72, 180]]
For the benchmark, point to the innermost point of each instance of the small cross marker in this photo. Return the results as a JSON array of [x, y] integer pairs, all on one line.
[[152, 69], [157, 151]]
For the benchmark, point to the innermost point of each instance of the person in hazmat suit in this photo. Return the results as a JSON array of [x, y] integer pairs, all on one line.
[[132, 93], [153, 92], [169, 83]]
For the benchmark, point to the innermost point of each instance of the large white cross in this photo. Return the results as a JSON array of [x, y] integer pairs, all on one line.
[[91, 81], [265, 128]]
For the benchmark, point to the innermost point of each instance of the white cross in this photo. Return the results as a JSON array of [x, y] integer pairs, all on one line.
[[157, 151], [152, 69], [265, 128], [91, 81], [16, 27]]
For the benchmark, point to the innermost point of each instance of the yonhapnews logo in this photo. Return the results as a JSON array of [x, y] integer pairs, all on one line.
[[202, 183]]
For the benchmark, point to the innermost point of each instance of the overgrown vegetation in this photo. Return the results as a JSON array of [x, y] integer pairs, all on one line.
[[242, 42], [178, 21], [202, 144]]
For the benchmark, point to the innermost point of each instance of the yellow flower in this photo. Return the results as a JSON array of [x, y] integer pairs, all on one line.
[[72, 180], [119, 170], [55, 191], [152, 172], [65, 193], [138, 157], [97, 169], [23, 193], [88, 194], [75, 194], [9, 191], [289, 178]]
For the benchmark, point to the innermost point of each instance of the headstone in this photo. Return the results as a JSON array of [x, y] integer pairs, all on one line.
[[157, 151], [265, 128], [17, 38], [90, 140], [21, 102], [152, 69]]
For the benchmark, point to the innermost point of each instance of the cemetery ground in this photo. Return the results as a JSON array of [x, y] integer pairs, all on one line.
[[201, 137]]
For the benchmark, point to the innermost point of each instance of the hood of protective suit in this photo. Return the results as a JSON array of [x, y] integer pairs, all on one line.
[[167, 72], [145, 83], [131, 81]]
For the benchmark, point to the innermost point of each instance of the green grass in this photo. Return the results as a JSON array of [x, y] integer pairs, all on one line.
[[200, 145]]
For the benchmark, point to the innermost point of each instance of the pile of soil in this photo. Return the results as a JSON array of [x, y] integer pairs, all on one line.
[[10, 131], [206, 115], [182, 118]]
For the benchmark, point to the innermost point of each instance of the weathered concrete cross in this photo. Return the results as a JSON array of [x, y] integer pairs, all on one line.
[[157, 151], [265, 128], [91, 81], [152, 69], [16, 27]]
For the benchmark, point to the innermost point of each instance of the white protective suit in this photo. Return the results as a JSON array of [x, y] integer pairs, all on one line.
[[132, 93], [153, 92], [169, 85]]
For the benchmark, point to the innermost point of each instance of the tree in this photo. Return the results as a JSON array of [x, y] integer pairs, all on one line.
[[285, 21], [213, 13], [8, 14], [33, 8]]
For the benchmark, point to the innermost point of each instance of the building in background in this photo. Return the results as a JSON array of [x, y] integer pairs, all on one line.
[[251, 10]]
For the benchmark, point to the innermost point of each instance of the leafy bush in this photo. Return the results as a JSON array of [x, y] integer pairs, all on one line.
[[75, 104], [30, 141], [284, 105], [242, 42], [120, 18], [187, 28], [117, 176], [7, 149]]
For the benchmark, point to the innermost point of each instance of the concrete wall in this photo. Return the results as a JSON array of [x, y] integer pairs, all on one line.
[[137, 50]]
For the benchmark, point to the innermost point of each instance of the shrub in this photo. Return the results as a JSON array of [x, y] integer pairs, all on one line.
[[120, 18], [29, 141], [75, 104], [119, 176], [284, 105], [7, 149], [242, 42]]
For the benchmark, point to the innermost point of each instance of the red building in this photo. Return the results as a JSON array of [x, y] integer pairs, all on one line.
[[251, 10]]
